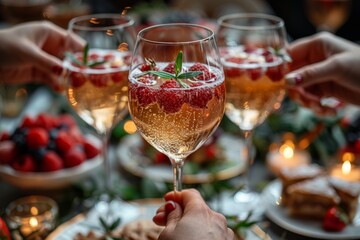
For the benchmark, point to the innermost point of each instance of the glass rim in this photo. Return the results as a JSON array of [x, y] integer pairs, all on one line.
[[210, 36], [73, 21], [275, 22]]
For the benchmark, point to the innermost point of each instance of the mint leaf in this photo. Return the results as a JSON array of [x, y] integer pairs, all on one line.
[[186, 75], [85, 54], [178, 64], [162, 74]]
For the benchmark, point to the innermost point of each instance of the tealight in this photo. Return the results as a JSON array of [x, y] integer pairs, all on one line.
[[33, 216]]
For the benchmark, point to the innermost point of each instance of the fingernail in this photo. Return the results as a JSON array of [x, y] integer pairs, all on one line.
[[169, 206], [294, 78], [57, 70]]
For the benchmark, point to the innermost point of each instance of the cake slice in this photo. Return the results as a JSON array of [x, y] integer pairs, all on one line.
[[311, 198], [349, 195], [290, 176]]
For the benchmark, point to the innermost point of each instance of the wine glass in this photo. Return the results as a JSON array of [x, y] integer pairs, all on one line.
[[252, 49], [176, 89], [96, 80]]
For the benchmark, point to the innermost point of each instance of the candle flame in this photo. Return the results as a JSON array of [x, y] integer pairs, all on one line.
[[287, 150], [33, 222], [34, 211], [346, 168]]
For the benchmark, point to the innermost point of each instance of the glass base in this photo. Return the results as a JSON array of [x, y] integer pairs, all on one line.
[[112, 210], [241, 204]]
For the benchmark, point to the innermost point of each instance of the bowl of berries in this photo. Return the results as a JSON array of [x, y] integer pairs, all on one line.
[[47, 152]]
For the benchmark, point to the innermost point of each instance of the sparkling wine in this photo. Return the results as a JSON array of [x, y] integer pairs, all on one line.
[[176, 120], [99, 93], [255, 85]]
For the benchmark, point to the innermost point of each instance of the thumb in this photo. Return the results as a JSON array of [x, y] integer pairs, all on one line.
[[312, 74]]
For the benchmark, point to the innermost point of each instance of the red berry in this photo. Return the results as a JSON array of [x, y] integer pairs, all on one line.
[[4, 230], [77, 79], [37, 137], [198, 67], [210, 151], [169, 98], [170, 68], [25, 164], [275, 73], [51, 162], [27, 122], [91, 150], [119, 76], [233, 71], [161, 158], [7, 152], [4, 136], [144, 95], [254, 73], [68, 120], [199, 97], [63, 142], [99, 80], [334, 220], [74, 157], [46, 121]]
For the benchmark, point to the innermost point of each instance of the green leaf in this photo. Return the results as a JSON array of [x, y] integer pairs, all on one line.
[[186, 75], [178, 64], [103, 224], [73, 58], [161, 74], [93, 64], [85, 54], [115, 224]]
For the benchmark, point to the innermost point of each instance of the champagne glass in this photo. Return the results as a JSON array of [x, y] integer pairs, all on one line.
[[97, 79], [252, 49], [176, 89]]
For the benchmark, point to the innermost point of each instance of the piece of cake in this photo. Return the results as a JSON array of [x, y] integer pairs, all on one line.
[[349, 194], [311, 198], [290, 176]]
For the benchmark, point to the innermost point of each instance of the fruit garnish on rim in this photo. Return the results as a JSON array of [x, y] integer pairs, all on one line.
[[177, 74], [335, 220]]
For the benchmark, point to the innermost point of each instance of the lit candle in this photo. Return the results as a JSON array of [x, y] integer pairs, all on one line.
[[346, 171], [286, 156], [32, 216]]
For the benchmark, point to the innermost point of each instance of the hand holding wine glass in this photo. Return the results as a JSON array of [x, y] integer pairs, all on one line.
[[177, 90]]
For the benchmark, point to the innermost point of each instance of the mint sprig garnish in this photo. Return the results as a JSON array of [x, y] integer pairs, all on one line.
[[178, 75], [85, 60]]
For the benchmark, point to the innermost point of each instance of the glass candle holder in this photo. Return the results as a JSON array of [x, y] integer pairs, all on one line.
[[32, 217]]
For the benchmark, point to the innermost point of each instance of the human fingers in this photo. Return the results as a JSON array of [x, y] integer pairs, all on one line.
[[162, 212]]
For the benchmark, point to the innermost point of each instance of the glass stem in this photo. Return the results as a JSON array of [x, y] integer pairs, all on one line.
[[249, 159], [178, 174], [107, 165]]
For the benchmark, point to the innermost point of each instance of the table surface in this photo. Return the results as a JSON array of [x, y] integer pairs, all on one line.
[[69, 201]]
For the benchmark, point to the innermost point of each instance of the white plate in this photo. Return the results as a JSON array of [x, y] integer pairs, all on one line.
[[139, 165], [306, 228], [51, 180]]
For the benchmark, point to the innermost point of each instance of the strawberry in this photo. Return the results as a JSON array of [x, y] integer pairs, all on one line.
[[170, 99], [170, 68], [51, 162], [199, 97], [4, 230], [77, 79], [90, 150], [63, 142], [74, 157], [37, 137], [7, 152], [335, 220], [99, 80], [25, 164]]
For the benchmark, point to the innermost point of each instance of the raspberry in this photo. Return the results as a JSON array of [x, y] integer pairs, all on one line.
[[63, 142], [51, 162], [77, 79], [119, 76], [74, 157], [46, 121], [68, 120], [27, 122], [198, 67], [7, 152], [90, 150], [99, 80], [25, 164], [254, 73], [199, 97], [231, 71], [275, 73], [144, 96], [170, 68], [169, 98], [37, 137]]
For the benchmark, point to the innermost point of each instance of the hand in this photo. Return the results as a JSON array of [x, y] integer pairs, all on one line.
[[185, 215], [32, 52], [324, 66]]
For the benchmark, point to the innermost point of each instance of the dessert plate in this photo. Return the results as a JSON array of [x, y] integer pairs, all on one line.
[[302, 227], [139, 165]]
